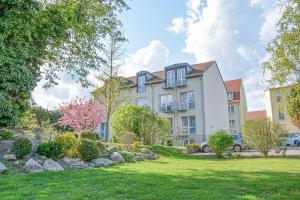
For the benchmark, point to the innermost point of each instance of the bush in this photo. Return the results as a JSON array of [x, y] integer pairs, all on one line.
[[192, 146], [51, 149], [136, 146], [91, 135], [88, 150], [6, 134], [128, 157], [100, 145], [219, 141], [263, 134], [69, 144], [22, 147], [126, 138]]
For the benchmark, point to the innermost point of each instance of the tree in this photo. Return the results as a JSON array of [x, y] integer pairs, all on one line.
[[219, 142], [147, 126], [284, 50], [81, 115], [110, 94], [263, 134], [39, 39]]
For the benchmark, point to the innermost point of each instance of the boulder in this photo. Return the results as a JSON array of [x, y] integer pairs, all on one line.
[[2, 168], [51, 165], [73, 163], [138, 158], [116, 156], [104, 154], [6, 146], [102, 162], [32, 166], [10, 157], [34, 143], [38, 158]]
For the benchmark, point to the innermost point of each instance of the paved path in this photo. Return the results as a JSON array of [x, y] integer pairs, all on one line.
[[291, 152]]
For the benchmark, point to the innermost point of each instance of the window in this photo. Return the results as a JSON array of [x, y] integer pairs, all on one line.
[[141, 102], [181, 76], [278, 96], [230, 96], [141, 84], [231, 122], [170, 78], [189, 125], [231, 109], [166, 102], [186, 142], [281, 116], [102, 130], [187, 100], [192, 141]]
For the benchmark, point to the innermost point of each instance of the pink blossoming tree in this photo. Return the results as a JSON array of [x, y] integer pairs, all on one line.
[[81, 114]]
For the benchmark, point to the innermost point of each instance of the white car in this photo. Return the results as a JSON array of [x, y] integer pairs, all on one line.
[[293, 139]]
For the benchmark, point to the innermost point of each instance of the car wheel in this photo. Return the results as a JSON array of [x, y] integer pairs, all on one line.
[[297, 143], [205, 149], [237, 148]]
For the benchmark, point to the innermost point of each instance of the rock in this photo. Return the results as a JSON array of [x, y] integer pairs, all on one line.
[[6, 146], [73, 163], [33, 166], [92, 165], [116, 156], [34, 143], [102, 162], [138, 158], [2, 168], [151, 156], [10, 157], [104, 154], [51, 165]]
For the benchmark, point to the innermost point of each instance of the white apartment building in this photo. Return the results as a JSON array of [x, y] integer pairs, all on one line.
[[237, 105], [192, 97]]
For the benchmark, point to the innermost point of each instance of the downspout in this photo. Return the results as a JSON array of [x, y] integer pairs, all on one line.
[[203, 107]]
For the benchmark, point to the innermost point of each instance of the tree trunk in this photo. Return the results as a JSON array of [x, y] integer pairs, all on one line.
[[107, 125]]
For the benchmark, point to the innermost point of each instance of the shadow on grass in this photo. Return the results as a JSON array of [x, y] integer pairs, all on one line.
[[124, 184]]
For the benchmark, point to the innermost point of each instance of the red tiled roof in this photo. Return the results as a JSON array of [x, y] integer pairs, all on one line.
[[159, 76], [233, 85], [259, 114]]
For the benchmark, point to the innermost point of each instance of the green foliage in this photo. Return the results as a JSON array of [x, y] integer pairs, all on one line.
[[69, 144], [293, 105], [91, 135], [52, 149], [128, 157], [141, 121], [263, 134], [22, 147], [6, 134], [192, 146], [136, 146], [219, 141], [100, 145], [88, 150]]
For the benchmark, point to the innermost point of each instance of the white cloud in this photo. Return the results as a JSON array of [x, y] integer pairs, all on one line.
[[247, 53], [268, 29], [152, 57], [177, 26]]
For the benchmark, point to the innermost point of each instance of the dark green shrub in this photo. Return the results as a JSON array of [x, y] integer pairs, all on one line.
[[91, 135], [136, 146], [69, 144], [100, 145], [51, 149], [219, 141], [88, 150], [22, 147], [6, 134], [192, 146], [128, 157], [113, 149]]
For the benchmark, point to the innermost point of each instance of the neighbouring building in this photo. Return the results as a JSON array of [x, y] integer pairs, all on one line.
[[276, 108], [192, 97], [258, 114], [237, 105]]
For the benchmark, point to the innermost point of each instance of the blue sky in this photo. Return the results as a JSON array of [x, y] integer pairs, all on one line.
[[163, 32]]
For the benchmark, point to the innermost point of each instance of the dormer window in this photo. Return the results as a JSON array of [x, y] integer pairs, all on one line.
[[171, 78], [230, 96], [181, 77], [141, 87]]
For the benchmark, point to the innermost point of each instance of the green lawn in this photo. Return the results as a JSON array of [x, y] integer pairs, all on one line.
[[173, 176]]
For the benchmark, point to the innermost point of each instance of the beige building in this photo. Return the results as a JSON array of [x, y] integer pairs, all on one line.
[[192, 97], [276, 108], [237, 105]]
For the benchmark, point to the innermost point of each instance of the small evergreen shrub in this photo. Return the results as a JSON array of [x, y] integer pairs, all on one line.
[[22, 147], [100, 145], [91, 135], [192, 146], [219, 141], [128, 157], [69, 144], [136, 146], [6, 134], [113, 149], [88, 150], [51, 149]]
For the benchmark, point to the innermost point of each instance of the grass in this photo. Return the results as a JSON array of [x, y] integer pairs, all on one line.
[[173, 176]]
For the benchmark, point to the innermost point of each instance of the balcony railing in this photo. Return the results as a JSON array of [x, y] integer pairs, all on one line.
[[167, 107], [177, 83], [183, 131], [181, 83], [183, 106], [177, 106]]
